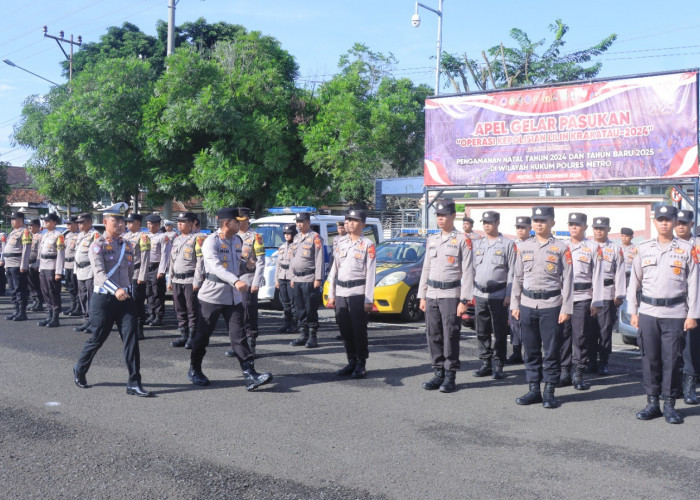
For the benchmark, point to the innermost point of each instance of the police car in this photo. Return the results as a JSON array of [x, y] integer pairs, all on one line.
[[271, 227]]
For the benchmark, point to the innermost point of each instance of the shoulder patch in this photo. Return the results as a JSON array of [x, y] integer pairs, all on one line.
[[468, 241], [96, 248], [567, 256], [317, 242], [60, 243], [26, 237], [371, 251], [695, 252]]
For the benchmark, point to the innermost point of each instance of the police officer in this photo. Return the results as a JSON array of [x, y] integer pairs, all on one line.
[[666, 270], [468, 227], [220, 295], [283, 280], [342, 232], [307, 267], [609, 289], [691, 347], [542, 299], [3, 277], [629, 249], [15, 257], [523, 226], [141, 244], [83, 268], [71, 239], [52, 249], [34, 281], [446, 285], [170, 231], [494, 257], [157, 267], [183, 264], [112, 259], [351, 291]]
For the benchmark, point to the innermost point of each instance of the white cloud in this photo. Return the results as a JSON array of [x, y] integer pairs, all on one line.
[[6, 88]]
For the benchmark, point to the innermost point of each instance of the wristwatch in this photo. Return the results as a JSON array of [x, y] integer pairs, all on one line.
[[464, 301]]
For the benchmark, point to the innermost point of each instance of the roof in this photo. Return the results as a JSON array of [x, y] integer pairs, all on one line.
[[24, 195], [18, 177]]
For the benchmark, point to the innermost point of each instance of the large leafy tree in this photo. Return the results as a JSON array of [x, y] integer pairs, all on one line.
[[4, 187]]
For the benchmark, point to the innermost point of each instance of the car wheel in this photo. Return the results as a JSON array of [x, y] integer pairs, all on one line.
[[629, 340], [411, 310]]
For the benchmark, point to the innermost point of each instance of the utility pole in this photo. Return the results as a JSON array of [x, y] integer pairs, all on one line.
[[59, 40], [171, 27]]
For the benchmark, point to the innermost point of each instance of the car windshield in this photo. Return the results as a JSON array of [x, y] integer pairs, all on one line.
[[271, 233], [400, 251]]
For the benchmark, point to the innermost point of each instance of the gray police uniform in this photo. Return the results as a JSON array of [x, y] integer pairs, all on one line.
[[3, 277], [157, 264], [15, 256], [307, 267], [51, 259], [71, 240], [34, 281], [516, 339], [252, 269], [283, 277], [629, 252], [83, 270], [141, 243], [183, 265]]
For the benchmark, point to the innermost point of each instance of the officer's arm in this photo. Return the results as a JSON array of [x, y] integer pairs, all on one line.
[[598, 280], [692, 283], [510, 257], [318, 255], [278, 268], [165, 256], [213, 265], [26, 240], [423, 283], [61, 254], [620, 277], [567, 289], [635, 284], [145, 247], [467, 291], [96, 256], [371, 273], [517, 288], [332, 277], [259, 249], [171, 264]]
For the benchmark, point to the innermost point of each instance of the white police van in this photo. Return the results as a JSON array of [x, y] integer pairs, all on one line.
[[271, 227]]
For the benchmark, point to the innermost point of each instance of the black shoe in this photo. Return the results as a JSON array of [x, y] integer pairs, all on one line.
[[497, 368], [651, 410], [149, 320], [184, 334], [230, 353], [283, 329], [435, 382], [75, 312], [592, 366], [578, 382], [515, 359], [548, 399], [690, 396], [360, 370], [190, 338], [347, 370], [448, 385], [253, 379], [54, 322], [338, 337], [532, 396], [135, 389], [670, 414], [39, 307], [603, 368], [81, 328], [485, 369], [34, 305], [46, 320], [22, 315], [301, 340], [313, 340], [157, 322], [565, 377], [79, 379], [197, 377], [10, 317]]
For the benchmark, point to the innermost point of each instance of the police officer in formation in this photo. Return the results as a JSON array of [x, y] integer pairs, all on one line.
[[52, 249], [666, 270], [523, 226], [15, 257], [494, 258], [629, 249], [307, 267], [542, 299], [182, 269], [34, 281], [157, 268], [446, 285], [351, 291], [220, 295], [141, 244], [342, 232], [283, 280], [71, 238], [83, 268], [468, 227], [169, 229], [3, 278], [691, 348]]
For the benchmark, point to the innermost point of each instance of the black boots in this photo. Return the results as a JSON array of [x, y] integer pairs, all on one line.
[[435, 382], [139, 330], [485, 369], [54, 321], [448, 385], [74, 309], [548, 400], [22, 315], [10, 317], [516, 358], [603, 365], [190, 338], [651, 410], [135, 389], [348, 369], [47, 319], [578, 381], [313, 340], [565, 377], [497, 368], [254, 379], [184, 335], [197, 377], [37, 306], [301, 340], [360, 371], [252, 342], [670, 411], [158, 321], [150, 319], [689, 384], [532, 396]]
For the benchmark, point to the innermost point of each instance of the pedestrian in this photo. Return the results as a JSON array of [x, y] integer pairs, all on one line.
[[446, 285], [220, 295], [542, 299], [83, 268], [141, 245], [52, 249], [666, 270], [157, 268], [283, 280], [629, 249], [71, 240], [112, 259], [494, 258], [523, 226], [351, 291], [468, 227], [307, 267], [34, 281], [15, 258]]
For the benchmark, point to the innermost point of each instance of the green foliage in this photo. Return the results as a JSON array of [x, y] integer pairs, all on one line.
[[4, 187]]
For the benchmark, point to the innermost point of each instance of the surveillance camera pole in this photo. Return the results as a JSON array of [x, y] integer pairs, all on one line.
[[59, 40], [439, 40]]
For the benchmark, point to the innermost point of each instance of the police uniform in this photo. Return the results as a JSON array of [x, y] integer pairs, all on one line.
[[34, 281], [667, 274], [71, 240], [15, 257], [182, 268], [283, 279], [171, 233], [112, 260], [493, 278], [141, 244], [609, 285], [629, 252], [157, 266], [307, 267], [351, 286], [542, 290], [515, 336], [52, 249], [447, 278], [252, 268], [83, 271], [3, 278], [219, 296]]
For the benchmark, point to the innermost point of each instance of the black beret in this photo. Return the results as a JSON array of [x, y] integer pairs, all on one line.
[[626, 231]]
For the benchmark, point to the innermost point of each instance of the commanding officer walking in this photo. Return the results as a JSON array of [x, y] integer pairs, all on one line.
[[468, 227], [71, 240], [523, 226], [83, 268], [307, 267], [351, 282], [34, 281], [219, 295], [666, 270], [629, 249], [112, 261], [157, 267], [446, 284], [609, 289], [183, 264], [283, 280], [691, 346], [542, 300], [52, 249], [494, 258], [141, 245], [15, 257]]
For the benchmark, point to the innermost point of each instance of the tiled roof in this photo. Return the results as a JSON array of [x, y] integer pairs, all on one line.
[[24, 195]]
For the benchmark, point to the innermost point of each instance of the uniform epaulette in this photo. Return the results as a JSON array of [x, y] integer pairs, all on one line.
[[646, 242]]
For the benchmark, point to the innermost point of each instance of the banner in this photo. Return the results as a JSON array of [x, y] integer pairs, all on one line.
[[634, 128]]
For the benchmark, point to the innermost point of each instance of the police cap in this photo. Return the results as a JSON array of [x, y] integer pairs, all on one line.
[[52, 217], [243, 213], [627, 231], [523, 221], [469, 220], [601, 222], [290, 229], [542, 212], [665, 211], [685, 216], [186, 217], [17, 215], [72, 219], [356, 214], [154, 218], [302, 216], [35, 222], [490, 216], [133, 217], [85, 217], [116, 210], [227, 213], [578, 218], [445, 207]]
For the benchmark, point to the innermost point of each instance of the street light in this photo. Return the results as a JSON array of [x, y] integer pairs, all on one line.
[[415, 22], [10, 63]]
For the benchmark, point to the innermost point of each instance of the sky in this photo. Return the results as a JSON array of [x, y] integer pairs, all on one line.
[[652, 36]]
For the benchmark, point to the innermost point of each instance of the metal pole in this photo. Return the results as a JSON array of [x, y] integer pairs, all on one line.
[[70, 65], [439, 49], [171, 27]]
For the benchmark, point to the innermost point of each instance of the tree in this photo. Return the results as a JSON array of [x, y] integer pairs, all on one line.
[[199, 34], [4, 186]]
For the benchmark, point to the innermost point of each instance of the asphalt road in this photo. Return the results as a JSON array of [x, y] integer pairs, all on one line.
[[310, 435]]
